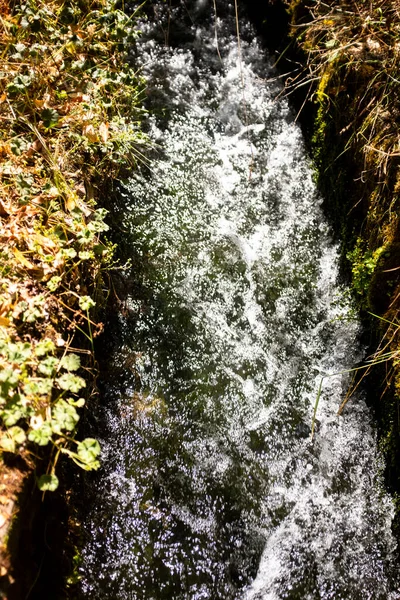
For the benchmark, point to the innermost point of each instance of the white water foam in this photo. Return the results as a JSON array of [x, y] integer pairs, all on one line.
[[215, 488]]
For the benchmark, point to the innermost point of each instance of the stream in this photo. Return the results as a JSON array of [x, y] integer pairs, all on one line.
[[210, 486]]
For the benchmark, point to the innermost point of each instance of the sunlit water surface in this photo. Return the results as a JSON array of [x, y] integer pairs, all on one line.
[[210, 486]]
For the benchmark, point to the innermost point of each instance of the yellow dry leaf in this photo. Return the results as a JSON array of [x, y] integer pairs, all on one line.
[[39, 103], [52, 72], [70, 203], [70, 47], [4, 322], [22, 260], [103, 131], [89, 132], [3, 98]]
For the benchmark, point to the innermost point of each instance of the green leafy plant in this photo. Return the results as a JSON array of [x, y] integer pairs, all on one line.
[[70, 107]]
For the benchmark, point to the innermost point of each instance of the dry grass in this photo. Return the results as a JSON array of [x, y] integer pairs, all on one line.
[[353, 58]]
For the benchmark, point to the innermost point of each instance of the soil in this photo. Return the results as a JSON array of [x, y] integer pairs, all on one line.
[[15, 476]]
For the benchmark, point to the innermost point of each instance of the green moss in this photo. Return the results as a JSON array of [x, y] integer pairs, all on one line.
[[363, 264], [74, 577]]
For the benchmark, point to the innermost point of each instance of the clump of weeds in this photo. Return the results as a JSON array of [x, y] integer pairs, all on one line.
[[69, 121]]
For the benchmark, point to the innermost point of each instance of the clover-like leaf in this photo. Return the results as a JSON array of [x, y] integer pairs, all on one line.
[[38, 386], [50, 117], [9, 377], [18, 434], [88, 451], [70, 362], [48, 483], [48, 366], [7, 443], [12, 415], [68, 252], [19, 84], [85, 302], [97, 226], [18, 145], [54, 283], [64, 417], [70, 382], [12, 438], [41, 435], [19, 352], [44, 347]]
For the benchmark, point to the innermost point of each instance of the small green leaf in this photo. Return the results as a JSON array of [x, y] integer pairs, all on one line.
[[68, 252], [79, 403], [7, 443], [38, 386], [85, 236], [11, 438], [331, 43], [70, 382], [85, 255], [18, 146], [97, 226], [70, 362], [24, 182], [19, 352], [19, 84], [48, 483], [9, 377], [48, 366], [44, 347], [18, 434], [42, 435], [64, 417], [32, 314], [88, 451], [20, 48], [54, 283], [85, 302], [11, 416], [50, 117]]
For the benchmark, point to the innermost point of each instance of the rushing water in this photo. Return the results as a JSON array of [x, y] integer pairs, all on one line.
[[211, 487]]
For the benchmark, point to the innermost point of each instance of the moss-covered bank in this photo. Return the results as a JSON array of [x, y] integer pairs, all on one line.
[[342, 63]]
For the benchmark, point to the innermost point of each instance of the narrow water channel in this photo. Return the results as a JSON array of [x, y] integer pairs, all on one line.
[[211, 487]]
